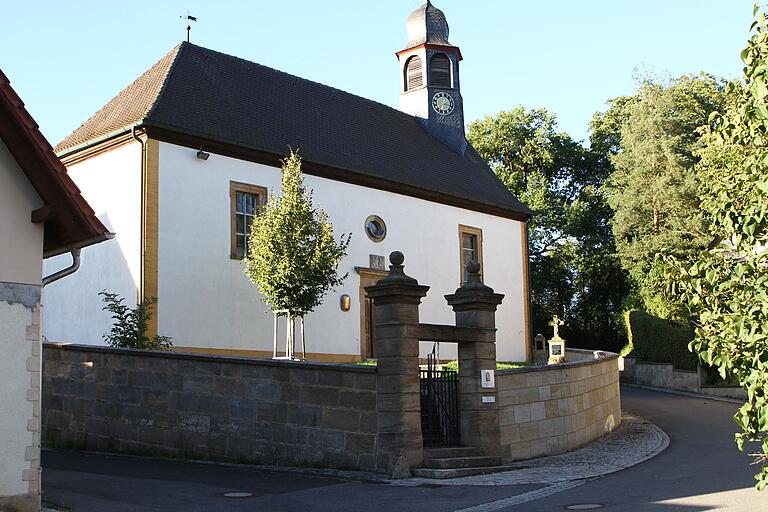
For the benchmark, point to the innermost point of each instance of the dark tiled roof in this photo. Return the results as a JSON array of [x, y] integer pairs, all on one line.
[[125, 109], [70, 220], [214, 96]]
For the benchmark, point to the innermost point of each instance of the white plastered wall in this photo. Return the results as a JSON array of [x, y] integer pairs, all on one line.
[[19, 238], [206, 301], [111, 183], [21, 252]]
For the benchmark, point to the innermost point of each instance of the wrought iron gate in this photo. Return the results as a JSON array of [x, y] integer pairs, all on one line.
[[439, 405]]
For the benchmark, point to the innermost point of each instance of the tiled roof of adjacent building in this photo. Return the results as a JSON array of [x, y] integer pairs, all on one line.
[[69, 220], [210, 96]]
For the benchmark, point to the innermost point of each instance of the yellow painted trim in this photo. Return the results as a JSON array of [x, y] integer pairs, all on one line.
[[151, 203], [526, 291], [368, 277], [267, 354]]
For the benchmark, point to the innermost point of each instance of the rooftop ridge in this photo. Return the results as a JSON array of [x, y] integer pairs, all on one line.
[[393, 110]]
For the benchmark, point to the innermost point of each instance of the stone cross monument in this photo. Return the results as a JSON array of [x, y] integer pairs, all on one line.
[[556, 344]]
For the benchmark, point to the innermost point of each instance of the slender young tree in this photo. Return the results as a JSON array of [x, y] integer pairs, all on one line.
[[293, 257]]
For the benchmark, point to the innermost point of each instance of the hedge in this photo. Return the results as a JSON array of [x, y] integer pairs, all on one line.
[[656, 340]]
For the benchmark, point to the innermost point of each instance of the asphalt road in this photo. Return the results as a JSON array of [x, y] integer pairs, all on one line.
[[701, 470], [101, 483]]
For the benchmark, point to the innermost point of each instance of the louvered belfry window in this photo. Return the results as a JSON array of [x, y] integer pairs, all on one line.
[[414, 76], [440, 71]]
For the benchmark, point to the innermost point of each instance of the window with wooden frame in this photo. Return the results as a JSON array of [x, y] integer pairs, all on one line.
[[245, 202], [470, 249]]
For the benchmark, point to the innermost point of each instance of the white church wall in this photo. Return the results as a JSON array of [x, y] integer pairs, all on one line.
[[111, 183], [207, 302]]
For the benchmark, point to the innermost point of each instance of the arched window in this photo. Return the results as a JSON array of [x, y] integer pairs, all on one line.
[[440, 71], [414, 76]]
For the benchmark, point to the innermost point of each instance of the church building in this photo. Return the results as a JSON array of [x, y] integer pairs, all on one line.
[[178, 163]]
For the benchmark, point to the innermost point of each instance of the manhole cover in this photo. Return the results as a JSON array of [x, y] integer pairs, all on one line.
[[237, 494], [584, 506]]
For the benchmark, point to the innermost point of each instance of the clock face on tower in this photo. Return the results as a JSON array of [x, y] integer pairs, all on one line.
[[442, 102]]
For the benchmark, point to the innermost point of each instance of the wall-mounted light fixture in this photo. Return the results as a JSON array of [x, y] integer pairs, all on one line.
[[346, 302], [202, 155]]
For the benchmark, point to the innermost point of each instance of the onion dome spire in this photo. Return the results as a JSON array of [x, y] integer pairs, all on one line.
[[427, 24]]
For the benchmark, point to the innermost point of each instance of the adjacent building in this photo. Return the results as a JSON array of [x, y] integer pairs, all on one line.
[[42, 214]]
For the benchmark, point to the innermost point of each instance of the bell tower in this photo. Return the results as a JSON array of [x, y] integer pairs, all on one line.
[[429, 77]]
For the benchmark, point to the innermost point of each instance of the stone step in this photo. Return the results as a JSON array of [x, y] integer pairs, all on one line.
[[461, 462], [453, 451], [443, 474]]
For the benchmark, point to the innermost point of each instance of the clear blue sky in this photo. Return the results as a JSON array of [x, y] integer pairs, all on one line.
[[66, 59]]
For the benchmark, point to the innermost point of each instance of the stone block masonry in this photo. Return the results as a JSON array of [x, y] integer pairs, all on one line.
[[666, 376], [556, 409], [191, 406]]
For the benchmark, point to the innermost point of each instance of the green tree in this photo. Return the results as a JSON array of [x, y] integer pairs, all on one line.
[[129, 329], [293, 257], [573, 270], [726, 286], [651, 140]]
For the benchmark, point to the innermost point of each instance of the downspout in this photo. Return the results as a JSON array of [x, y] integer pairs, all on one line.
[[74, 250], [142, 209], [67, 271]]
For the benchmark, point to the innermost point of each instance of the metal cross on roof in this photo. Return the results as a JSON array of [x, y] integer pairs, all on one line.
[[555, 324]]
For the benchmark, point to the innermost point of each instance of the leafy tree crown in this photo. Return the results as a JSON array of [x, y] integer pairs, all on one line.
[[293, 257], [726, 286]]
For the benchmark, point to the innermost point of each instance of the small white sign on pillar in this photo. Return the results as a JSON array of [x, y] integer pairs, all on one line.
[[487, 379]]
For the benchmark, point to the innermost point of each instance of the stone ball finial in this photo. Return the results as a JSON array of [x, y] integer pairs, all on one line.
[[396, 258], [473, 267]]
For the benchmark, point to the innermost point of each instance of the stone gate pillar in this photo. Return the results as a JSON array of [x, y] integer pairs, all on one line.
[[396, 299], [475, 305]]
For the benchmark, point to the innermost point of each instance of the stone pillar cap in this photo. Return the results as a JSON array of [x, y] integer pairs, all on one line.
[[396, 271], [474, 292], [397, 283]]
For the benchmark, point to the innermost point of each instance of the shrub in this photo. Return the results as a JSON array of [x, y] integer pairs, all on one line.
[[656, 340], [129, 329]]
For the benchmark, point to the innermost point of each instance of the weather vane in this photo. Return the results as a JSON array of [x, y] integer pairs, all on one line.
[[189, 19]]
